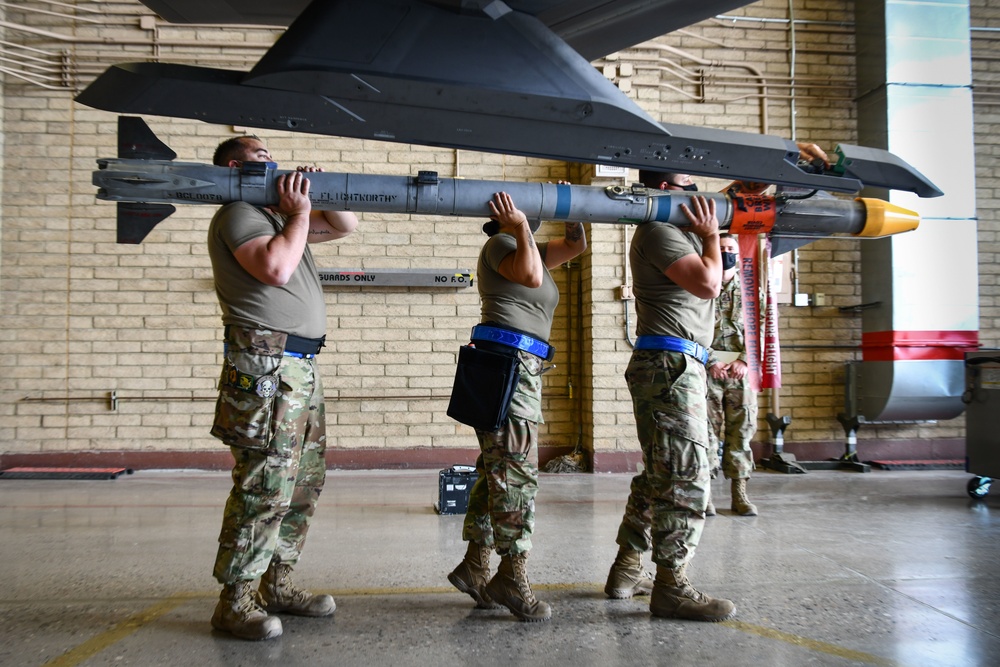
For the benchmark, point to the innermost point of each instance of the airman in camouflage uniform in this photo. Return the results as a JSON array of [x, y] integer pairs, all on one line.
[[270, 409], [675, 273], [508, 470], [666, 507], [732, 403], [518, 294], [280, 470]]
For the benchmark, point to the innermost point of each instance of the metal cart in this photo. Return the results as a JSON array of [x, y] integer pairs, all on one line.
[[982, 420]]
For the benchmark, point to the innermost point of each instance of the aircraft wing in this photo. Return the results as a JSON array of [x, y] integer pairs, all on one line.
[[594, 28], [505, 77]]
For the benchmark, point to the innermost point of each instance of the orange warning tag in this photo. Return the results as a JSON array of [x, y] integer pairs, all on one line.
[[753, 214]]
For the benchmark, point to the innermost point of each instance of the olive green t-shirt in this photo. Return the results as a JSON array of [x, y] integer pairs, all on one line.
[[297, 307], [663, 308], [507, 303]]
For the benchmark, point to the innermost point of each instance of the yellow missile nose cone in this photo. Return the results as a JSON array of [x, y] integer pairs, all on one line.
[[885, 219]]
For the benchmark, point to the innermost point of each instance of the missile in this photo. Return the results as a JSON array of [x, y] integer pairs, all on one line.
[[146, 182]]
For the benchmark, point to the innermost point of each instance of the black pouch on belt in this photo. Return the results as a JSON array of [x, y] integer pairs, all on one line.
[[484, 386]]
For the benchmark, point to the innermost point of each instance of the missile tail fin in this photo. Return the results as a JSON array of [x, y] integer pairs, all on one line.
[[136, 220], [137, 142], [782, 243]]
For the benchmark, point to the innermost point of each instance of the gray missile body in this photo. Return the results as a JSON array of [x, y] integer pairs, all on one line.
[[153, 183]]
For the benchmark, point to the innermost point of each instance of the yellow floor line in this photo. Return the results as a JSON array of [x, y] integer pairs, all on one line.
[[811, 644], [102, 641], [432, 590]]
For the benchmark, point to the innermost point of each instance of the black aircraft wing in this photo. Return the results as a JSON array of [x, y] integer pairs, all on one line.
[[508, 77], [594, 28]]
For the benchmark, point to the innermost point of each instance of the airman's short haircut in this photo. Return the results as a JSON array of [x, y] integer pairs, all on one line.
[[231, 149]]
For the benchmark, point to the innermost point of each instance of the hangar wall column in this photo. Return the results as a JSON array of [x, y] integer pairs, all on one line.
[[915, 99], [3, 134], [604, 433]]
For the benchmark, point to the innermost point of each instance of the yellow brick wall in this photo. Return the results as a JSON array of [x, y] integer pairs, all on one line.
[[84, 317]]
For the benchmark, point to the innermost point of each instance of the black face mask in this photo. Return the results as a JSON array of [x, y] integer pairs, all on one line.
[[728, 260]]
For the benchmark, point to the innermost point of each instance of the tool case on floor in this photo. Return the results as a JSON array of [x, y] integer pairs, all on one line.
[[454, 485]]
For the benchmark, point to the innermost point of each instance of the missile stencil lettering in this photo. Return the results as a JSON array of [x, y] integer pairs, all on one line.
[[355, 197]]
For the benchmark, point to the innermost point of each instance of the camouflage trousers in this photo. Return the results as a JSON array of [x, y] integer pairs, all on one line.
[[666, 506], [275, 487], [501, 511], [732, 412]]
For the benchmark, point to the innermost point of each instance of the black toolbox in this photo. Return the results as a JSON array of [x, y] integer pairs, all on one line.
[[454, 485]]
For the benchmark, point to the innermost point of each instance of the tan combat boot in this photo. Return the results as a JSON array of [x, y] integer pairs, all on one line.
[[627, 578], [710, 507], [280, 595], [472, 575], [239, 613], [674, 597], [510, 587], [741, 504]]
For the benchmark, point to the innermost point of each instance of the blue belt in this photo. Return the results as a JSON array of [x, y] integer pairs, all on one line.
[[286, 353], [673, 344], [298, 355], [514, 339]]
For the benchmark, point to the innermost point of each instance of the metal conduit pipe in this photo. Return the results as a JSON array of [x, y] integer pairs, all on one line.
[[113, 398], [106, 11], [734, 80], [117, 41], [774, 393], [627, 285], [791, 66], [756, 73], [824, 50], [725, 18]]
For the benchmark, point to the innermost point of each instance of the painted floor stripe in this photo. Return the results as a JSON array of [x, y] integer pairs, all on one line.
[[811, 644], [136, 622], [120, 631]]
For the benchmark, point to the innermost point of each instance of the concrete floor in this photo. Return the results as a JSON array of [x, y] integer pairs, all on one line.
[[840, 568]]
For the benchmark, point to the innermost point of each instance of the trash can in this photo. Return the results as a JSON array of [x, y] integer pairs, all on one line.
[[982, 419]]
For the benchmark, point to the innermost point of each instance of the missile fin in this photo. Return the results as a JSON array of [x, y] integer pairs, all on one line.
[[137, 142], [136, 220], [782, 243]]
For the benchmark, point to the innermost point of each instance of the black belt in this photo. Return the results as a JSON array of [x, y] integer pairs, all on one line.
[[297, 345]]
